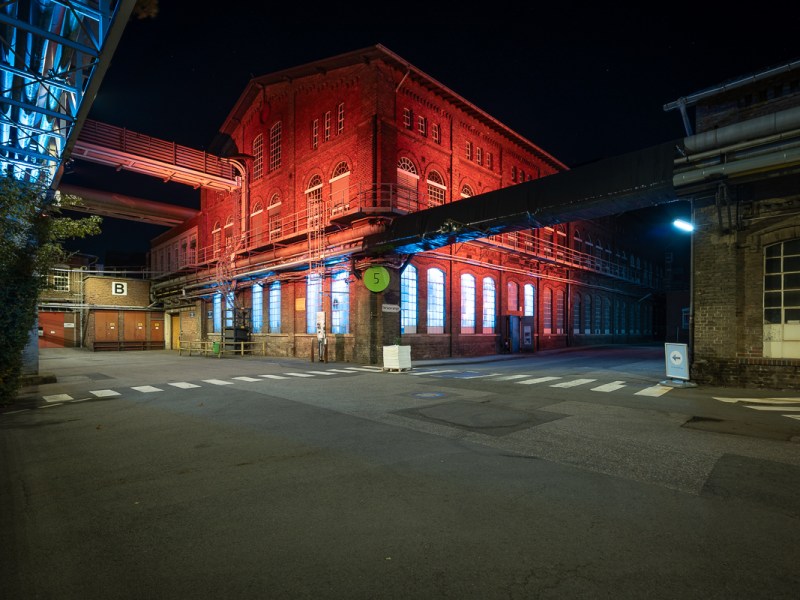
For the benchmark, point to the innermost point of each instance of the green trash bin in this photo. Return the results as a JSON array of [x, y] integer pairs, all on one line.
[[215, 347]]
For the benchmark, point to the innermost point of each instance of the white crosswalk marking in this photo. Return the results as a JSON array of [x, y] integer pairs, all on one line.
[[432, 372], [368, 369], [511, 377], [757, 400], [104, 393], [538, 380], [273, 376], [298, 374], [655, 391], [218, 382], [609, 387], [482, 376], [793, 417], [57, 398], [574, 383], [146, 389], [184, 385], [340, 371], [320, 373], [243, 378]]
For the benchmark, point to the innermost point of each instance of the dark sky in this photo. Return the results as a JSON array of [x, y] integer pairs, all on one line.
[[581, 84]]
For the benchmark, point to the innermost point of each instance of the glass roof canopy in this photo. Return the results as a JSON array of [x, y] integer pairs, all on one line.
[[54, 56]]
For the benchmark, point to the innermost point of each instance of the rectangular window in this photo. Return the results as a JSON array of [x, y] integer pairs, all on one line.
[[559, 312], [488, 160], [435, 134], [422, 125], [408, 118], [229, 309], [313, 301], [529, 298], [275, 307], [217, 312], [315, 134], [479, 155], [488, 305], [547, 314], [435, 301], [327, 126], [340, 119], [258, 157], [467, 303], [60, 281], [258, 308], [340, 303], [469, 151]]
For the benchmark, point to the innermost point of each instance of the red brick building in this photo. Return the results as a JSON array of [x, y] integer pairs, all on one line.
[[328, 154]]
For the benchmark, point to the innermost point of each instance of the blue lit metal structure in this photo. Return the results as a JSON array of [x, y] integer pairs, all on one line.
[[54, 56]]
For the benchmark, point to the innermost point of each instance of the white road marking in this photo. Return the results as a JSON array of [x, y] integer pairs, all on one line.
[[793, 417], [184, 385], [57, 398], [340, 371], [510, 377], [432, 372], [13, 412], [609, 387], [298, 374], [538, 380], [273, 376], [656, 390], [52, 405], [368, 369], [218, 382], [243, 378], [146, 389], [757, 400], [320, 372], [574, 383], [104, 393], [776, 408], [480, 376]]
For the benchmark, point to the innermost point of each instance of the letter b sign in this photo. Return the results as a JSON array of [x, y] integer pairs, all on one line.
[[119, 288]]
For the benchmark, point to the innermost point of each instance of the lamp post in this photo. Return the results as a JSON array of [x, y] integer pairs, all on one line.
[[688, 226]]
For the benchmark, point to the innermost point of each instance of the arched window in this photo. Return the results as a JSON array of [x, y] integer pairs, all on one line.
[[256, 221], [489, 305], [467, 303], [529, 300], [228, 233], [313, 301], [340, 184], [258, 157], [314, 201], [466, 191], [560, 312], [437, 190], [576, 314], [274, 217], [275, 133], [407, 182], [257, 308], [577, 241], [606, 316], [547, 312], [512, 290], [216, 237], [408, 300], [340, 303], [435, 321], [587, 312]]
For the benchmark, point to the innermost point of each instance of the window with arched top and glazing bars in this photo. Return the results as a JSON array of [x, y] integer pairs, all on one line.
[[437, 190], [275, 134], [466, 191], [228, 232], [560, 325], [340, 302], [435, 322], [547, 312], [258, 157], [512, 291], [340, 184], [216, 237], [489, 305], [313, 301], [313, 199], [407, 184], [576, 314], [587, 311], [274, 217], [408, 300], [529, 300], [467, 303]]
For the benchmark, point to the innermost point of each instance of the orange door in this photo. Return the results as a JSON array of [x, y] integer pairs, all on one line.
[[106, 326], [135, 330], [51, 324], [156, 329]]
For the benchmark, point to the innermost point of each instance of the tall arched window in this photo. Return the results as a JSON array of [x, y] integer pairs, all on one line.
[[408, 300], [435, 321], [313, 301], [258, 157], [437, 190], [489, 305], [314, 201], [512, 290], [407, 183], [560, 312], [256, 221], [587, 311], [275, 146], [576, 314], [216, 237], [340, 184], [275, 307], [606, 315], [466, 191], [529, 300], [547, 312], [274, 217], [257, 308], [340, 303], [228, 233], [467, 303]]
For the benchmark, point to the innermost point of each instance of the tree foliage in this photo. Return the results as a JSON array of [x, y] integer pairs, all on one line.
[[32, 230]]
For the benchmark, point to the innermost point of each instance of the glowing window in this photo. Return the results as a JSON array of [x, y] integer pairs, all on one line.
[[422, 125], [547, 314], [340, 303], [275, 307], [315, 133], [258, 157], [489, 305], [313, 301], [488, 160], [435, 321], [408, 118], [512, 289], [529, 299], [229, 309], [466, 191], [560, 311], [340, 118], [467, 303], [327, 126], [217, 312], [258, 308], [479, 155], [275, 146], [408, 300]]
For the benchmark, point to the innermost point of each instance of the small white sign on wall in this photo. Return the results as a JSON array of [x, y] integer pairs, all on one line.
[[119, 288]]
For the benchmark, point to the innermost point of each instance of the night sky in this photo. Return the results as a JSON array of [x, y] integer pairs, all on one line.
[[582, 85]]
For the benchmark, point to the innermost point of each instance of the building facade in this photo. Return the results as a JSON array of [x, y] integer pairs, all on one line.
[[330, 153]]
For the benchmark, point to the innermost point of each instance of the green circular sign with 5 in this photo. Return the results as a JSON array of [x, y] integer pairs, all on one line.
[[376, 279]]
